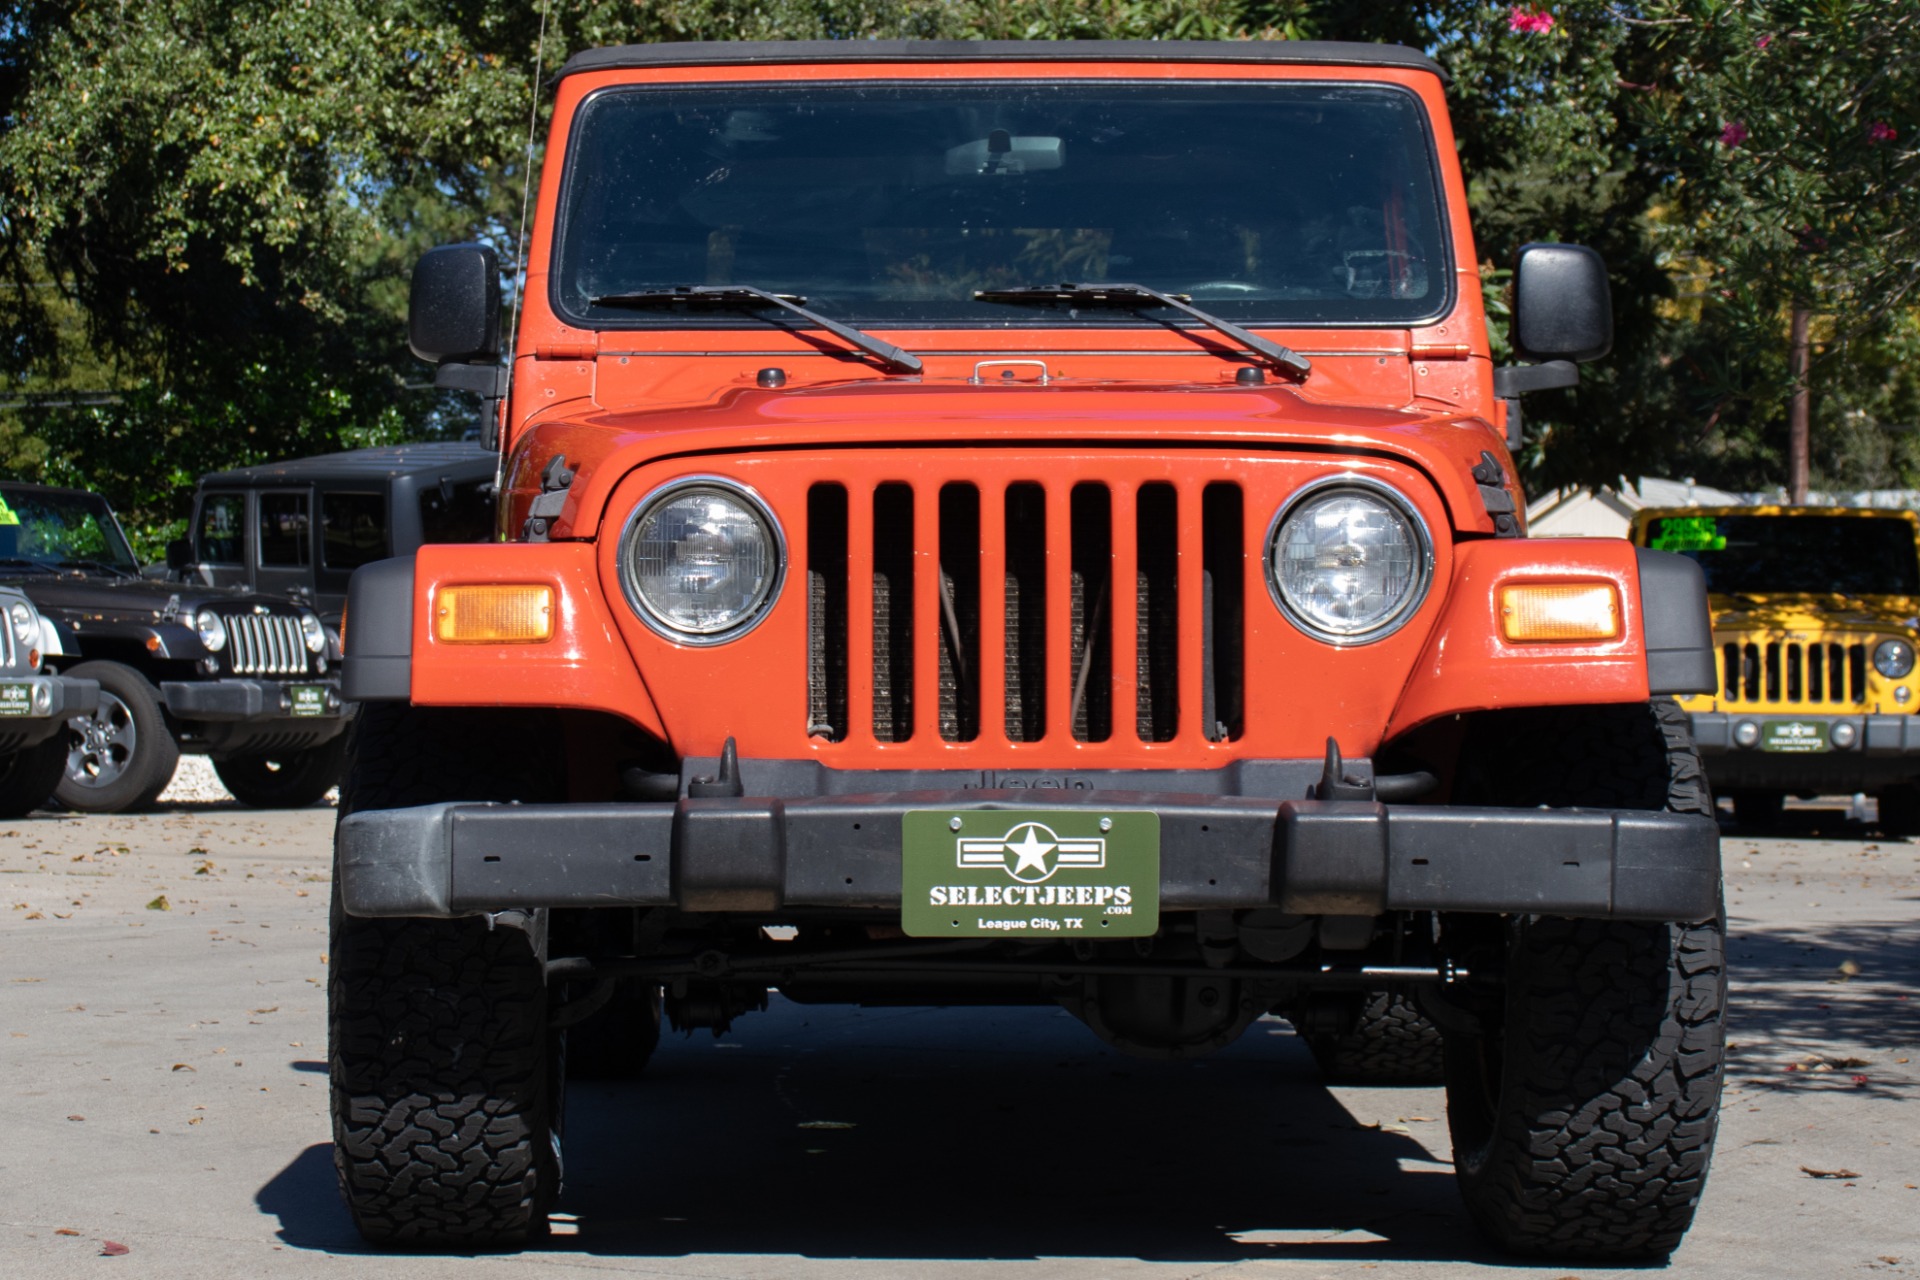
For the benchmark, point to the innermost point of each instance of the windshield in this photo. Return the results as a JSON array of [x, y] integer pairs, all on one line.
[[1264, 202], [54, 529], [1848, 555]]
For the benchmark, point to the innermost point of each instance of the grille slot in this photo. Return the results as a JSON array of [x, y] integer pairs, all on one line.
[[1028, 611], [892, 551], [827, 612], [1156, 626], [1790, 672], [265, 644]]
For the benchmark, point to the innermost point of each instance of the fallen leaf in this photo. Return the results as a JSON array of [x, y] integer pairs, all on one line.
[[1851, 1062], [33, 915], [65, 1231], [113, 1249], [269, 1009], [183, 1066], [1849, 968], [1859, 1079], [76, 1117], [160, 904], [198, 1119], [1828, 1173]]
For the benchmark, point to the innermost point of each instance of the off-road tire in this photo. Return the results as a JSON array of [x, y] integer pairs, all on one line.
[[284, 779], [1899, 811], [29, 775], [1391, 1043], [446, 1080], [616, 1041], [1583, 1111], [129, 712]]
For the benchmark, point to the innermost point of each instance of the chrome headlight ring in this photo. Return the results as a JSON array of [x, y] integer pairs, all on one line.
[[212, 630], [760, 599], [1422, 547], [1893, 659], [25, 623]]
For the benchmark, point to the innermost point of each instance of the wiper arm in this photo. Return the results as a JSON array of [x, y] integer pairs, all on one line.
[[101, 565], [1134, 296], [747, 297]]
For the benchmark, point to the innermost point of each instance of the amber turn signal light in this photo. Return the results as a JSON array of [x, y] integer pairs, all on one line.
[[498, 614], [1547, 611]]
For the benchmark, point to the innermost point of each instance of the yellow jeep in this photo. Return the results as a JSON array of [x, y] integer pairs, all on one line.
[[1814, 624]]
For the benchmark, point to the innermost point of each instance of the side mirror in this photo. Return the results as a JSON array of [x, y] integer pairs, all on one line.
[[179, 555], [1562, 309], [453, 310]]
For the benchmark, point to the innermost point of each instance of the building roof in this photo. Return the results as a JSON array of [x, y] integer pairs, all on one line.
[[386, 460], [717, 53], [1606, 513]]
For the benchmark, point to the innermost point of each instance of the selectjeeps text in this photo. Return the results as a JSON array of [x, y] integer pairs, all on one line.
[[1021, 523]]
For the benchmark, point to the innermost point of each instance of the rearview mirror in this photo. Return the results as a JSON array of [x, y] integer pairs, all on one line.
[[453, 310], [179, 555], [1001, 152], [1562, 309]]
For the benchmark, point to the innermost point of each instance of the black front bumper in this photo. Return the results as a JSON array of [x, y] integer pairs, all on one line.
[[242, 699], [759, 856], [1881, 750], [39, 707]]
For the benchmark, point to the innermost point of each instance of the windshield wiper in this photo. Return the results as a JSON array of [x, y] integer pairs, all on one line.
[[747, 297], [1136, 297], [103, 566]]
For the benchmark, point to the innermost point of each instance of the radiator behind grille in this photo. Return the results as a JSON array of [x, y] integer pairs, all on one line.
[[1782, 671], [964, 612]]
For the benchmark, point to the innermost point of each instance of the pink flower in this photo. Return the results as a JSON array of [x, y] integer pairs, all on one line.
[[1525, 18], [1733, 134], [1881, 131], [1763, 41]]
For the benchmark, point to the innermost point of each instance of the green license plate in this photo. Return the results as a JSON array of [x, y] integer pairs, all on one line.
[[309, 699], [1029, 873], [1794, 735], [16, 699]]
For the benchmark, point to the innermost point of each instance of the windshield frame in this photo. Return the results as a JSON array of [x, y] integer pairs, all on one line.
[[94, 505], [1443, 261]]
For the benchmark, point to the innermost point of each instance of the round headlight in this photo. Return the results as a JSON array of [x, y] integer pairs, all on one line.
[[1893, 659], [1348, 560], [701, 561], [213, 632], [26, 627], [313, 633]]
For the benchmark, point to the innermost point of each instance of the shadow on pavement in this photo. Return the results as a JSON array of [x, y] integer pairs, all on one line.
[[972, 1134], [1790, 993]]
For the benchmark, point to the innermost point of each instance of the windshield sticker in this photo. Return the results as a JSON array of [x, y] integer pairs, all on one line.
[[1689, 533], [6, 513]]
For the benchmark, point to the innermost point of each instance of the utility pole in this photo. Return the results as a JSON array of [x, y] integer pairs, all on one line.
[[1797, 409]]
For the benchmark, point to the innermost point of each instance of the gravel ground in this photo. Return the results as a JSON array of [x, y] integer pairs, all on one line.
[[163, 1080], [195, 782]]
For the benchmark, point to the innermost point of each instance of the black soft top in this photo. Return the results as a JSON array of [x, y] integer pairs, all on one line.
[[717, 53], [360, 464]]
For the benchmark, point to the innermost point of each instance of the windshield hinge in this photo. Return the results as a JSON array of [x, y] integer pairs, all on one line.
[[567, 351]]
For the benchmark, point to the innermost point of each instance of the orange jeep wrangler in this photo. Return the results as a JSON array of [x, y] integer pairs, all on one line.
[[1025, 524]]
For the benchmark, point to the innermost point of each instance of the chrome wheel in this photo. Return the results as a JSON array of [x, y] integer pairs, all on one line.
[[103, 744]]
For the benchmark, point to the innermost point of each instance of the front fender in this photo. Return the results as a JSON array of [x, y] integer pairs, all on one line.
[[391, 652], [1468, 665]]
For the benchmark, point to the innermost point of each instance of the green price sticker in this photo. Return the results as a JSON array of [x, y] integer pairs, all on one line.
[[1688, 533]]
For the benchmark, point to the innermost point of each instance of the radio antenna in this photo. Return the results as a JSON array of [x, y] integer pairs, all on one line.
[[526, 190]]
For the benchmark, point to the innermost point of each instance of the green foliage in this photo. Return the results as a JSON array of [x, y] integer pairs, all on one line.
[[208, 208]]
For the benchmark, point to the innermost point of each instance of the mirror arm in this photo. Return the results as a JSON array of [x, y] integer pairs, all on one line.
[[489, 382], [1510, 382]]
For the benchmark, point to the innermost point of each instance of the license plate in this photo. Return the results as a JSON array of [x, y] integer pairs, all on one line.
[[308, 699], [1794, 735], [16, 699], [1029, 873]]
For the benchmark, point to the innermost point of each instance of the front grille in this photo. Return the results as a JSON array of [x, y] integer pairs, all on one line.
[[8, 657], [265, 644], [1025, 612], [1760, 671]]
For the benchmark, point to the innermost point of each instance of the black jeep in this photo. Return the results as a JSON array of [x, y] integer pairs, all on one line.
[[241, 677], [306, 524]]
